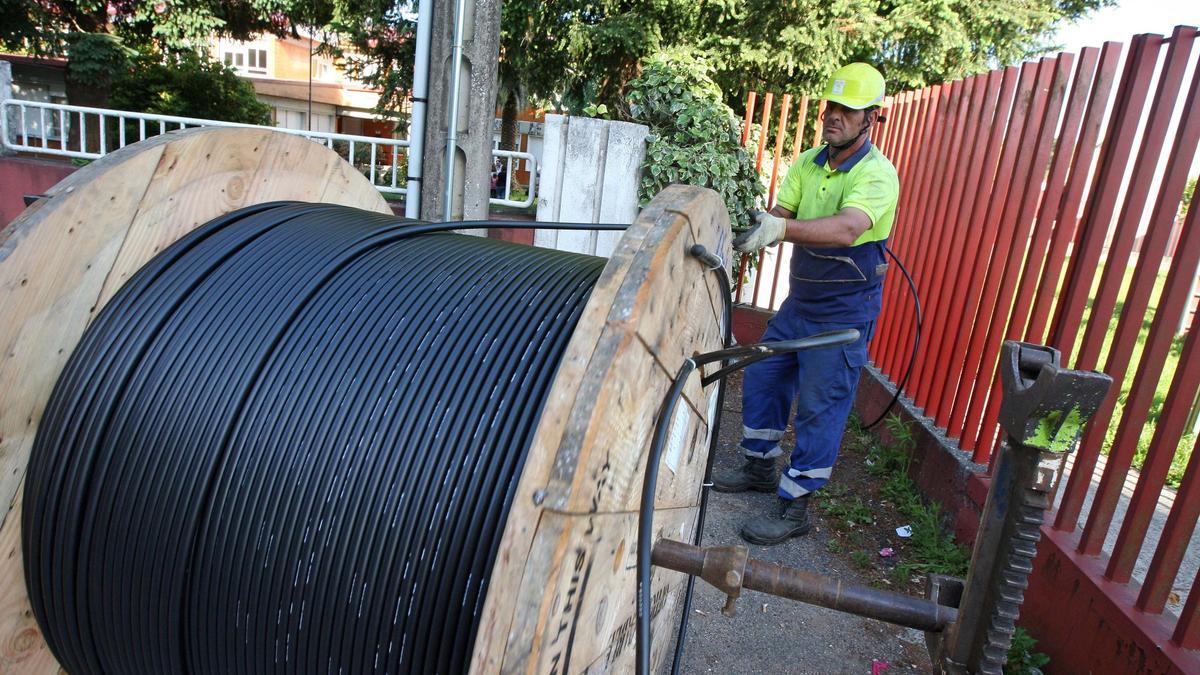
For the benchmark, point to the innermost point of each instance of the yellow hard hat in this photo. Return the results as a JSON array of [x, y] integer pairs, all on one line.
[[856, 85]]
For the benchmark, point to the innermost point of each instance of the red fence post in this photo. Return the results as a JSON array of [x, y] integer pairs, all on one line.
[[820, 119], [942, 227], [1039, 240], [765, 116], [1106, 188], [1137, 299], [749, 117], [993, 115], [989, 229], [902, 119], [1014, 229], [1171, 422], [1011, 277], [1176, 534], [780, 134], [983, 235], [798, 138], [966, 170], [1068, 214], [1126, 113], [911, 219]]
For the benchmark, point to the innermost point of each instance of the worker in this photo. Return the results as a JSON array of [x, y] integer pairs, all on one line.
[[836, 206]]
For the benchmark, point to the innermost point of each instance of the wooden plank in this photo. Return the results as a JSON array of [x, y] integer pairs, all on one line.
[[55, 260], [581, 616], [589, 453]]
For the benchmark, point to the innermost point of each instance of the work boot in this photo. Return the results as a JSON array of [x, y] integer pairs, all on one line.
[[791, 521], [755, 474]]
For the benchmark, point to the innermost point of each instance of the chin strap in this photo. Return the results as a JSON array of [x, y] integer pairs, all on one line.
[[838, 148]]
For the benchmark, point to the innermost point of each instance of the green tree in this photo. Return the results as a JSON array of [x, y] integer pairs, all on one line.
[[534, 59], [188, 85], [94, 35], [375, 42], [607, 40], [794, 45]]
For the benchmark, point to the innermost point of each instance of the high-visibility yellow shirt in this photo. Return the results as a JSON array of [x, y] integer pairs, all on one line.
[[842, 284], [867, 181]]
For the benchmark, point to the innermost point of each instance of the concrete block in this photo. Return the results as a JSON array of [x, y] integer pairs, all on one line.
[[590, 174]]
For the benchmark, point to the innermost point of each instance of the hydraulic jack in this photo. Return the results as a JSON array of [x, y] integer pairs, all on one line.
[[968, 624]]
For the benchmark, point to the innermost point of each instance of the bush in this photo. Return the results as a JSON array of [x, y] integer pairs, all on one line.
[[188, 85], [694, 137]]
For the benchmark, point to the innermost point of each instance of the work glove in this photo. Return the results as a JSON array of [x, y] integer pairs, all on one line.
[[767, 230]]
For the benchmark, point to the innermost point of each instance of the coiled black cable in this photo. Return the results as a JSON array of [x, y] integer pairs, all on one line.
[[290, 442]]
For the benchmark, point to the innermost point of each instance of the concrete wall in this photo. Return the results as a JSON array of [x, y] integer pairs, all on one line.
[[590, 174]]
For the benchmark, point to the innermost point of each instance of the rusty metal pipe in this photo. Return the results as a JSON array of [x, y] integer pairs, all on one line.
[[719, 568]]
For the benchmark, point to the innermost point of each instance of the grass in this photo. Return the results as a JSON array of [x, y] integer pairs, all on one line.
[[933, 550], [1182, 452], [929, 549]]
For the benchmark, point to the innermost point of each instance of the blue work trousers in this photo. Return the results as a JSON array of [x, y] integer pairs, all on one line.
[[821, 382]]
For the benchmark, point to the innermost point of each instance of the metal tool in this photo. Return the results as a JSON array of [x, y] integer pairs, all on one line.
[[1043, 410]]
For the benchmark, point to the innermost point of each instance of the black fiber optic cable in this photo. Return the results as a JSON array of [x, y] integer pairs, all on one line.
[[912, 357], [290, 442]]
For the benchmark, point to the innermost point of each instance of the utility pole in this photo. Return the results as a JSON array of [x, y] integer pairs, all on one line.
[[471, 169]]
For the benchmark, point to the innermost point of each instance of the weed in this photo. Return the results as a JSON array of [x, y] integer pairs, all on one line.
[[900, 432], [861, 558], [929, 549], [848, 513], [833, 546], [1022, 659], [933, 550]]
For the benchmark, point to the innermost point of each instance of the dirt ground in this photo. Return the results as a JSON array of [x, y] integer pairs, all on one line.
[[775, 635]]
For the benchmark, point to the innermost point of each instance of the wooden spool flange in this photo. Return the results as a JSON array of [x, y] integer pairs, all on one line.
[[562, 591]]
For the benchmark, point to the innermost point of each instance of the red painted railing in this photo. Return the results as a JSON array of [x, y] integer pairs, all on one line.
[[1039, 202]]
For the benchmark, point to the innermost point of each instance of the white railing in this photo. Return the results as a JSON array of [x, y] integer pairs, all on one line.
[[45, 128], [511, 159]]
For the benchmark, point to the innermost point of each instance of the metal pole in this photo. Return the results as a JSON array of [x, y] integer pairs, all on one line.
[[452, 122], [730, 570], [420, 97]]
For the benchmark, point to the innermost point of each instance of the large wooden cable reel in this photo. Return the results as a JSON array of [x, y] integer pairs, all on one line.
[[561, 594]]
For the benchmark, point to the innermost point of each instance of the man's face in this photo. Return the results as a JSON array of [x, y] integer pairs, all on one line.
[[841, 124]]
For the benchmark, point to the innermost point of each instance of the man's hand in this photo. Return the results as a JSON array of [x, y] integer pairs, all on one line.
[[767, 230]]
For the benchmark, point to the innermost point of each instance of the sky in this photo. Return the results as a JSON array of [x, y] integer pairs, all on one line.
[[1128, 18]]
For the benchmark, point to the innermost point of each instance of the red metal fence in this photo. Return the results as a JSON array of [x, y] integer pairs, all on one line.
[[1024, 193]]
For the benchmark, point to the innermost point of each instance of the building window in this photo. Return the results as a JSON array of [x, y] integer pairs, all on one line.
[[246, 60]]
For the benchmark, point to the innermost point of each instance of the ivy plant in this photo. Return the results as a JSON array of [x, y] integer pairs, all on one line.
[[694, 137]]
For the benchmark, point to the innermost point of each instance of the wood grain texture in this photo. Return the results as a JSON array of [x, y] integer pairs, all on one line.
[[63, 258], [562, 589]]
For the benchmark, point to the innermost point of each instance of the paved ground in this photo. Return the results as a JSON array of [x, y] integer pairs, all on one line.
[[774, 635]]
